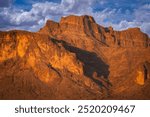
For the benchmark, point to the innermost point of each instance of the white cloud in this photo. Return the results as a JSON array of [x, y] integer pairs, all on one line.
[[40, 12], [141, 19]]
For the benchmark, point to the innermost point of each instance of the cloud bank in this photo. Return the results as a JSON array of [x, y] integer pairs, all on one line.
[[13, 17]]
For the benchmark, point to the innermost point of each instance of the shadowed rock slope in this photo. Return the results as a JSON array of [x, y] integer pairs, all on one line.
[[75, 59]]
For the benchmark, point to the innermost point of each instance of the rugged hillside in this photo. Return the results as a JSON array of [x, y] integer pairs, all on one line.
[[75, 59]]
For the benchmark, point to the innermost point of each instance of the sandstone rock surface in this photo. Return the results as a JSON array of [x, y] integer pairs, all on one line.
[[75, 58]]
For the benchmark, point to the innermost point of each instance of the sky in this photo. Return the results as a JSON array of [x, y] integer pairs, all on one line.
[[32, 14]]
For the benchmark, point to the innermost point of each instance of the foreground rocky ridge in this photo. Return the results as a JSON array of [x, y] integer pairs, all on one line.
[[75, 59]]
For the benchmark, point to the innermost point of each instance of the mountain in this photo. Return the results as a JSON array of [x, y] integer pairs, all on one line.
[[75, 59]]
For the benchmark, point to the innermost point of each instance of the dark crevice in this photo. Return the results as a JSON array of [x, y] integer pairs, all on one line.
[[146, 67], [145, 73], [50, 66]]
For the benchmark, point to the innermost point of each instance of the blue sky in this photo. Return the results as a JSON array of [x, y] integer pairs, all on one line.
[[32, 14]]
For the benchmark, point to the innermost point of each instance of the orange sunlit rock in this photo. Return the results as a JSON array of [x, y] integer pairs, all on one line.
[[140, 78], [75, 58]]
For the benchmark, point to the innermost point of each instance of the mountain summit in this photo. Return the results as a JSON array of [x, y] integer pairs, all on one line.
[[75, 58]]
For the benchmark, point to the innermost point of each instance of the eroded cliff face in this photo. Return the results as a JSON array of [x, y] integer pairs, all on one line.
[[74, 59], [84, 32], [46, 60]]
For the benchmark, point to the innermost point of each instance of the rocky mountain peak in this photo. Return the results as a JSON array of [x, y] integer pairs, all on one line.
[[75, 58], [77, 20]]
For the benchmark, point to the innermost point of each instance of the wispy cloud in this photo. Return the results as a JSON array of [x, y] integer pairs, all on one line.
[[140, 19]]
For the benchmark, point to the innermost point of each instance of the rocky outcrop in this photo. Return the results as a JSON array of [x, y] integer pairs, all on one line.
[[51, 28], [84, 27], [74, 59], [132, 37]]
